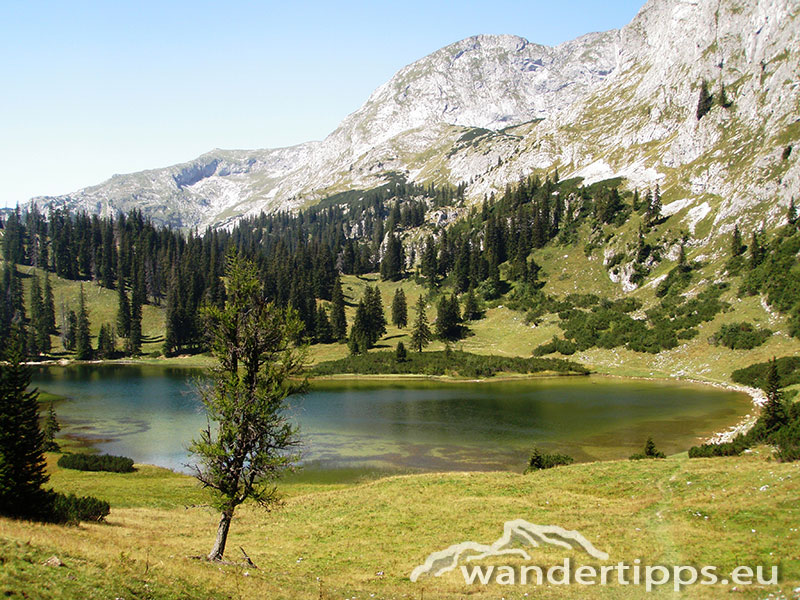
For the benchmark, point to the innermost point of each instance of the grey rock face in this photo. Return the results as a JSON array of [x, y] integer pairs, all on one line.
[[490, 109]]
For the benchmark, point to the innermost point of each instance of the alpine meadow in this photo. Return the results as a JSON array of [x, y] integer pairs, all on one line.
[[526, 323]]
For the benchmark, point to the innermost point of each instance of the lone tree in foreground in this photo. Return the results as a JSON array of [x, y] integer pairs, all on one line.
[[252, 443], [22, 465]]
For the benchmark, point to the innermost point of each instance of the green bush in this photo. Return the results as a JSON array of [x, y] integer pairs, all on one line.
[[565, 347], [740, 336], [96, 462], [676, 280], [756, 374], [454, 362], [69, 508], [734, 448], [650, 451], [542, 460]]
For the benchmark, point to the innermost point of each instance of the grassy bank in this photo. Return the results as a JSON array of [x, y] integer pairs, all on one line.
[[501, 332], [345, 541]]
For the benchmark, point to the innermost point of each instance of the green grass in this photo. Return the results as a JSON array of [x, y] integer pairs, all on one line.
[[332, 541], [503, 332]]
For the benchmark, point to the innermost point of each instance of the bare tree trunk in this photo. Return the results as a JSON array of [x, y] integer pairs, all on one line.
[[222, 536]]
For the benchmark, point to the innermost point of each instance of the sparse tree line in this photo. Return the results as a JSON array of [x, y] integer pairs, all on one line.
[[301, 256]]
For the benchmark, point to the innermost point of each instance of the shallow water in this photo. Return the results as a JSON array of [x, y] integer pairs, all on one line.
[[151, 413]]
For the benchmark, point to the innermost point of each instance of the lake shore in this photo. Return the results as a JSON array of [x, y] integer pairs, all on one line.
[[703, 435]]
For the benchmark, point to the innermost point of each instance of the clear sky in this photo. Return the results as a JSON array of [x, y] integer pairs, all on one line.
[[89, 89]]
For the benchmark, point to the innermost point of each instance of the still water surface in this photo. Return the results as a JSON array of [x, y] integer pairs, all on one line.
[[151, 413]]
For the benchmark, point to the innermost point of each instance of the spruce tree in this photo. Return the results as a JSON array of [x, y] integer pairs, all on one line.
[[393, 262], [123, 310], [448, 320], [69, 329], [756, 250], [83, 342], [399, 309], [22, 464], [360, 338], [421, 334], [323, 333], [376, 320], [774, 415], [642, 249], [173, 317], [791, 214], [105, 342], [653, 213], [49, 305], [736, 242], [338, 320], [50, 429], [472, 310], [705, 101], [134, 344], [39, 337]]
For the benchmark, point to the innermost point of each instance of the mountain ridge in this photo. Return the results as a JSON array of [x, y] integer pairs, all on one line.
[[615, 103]]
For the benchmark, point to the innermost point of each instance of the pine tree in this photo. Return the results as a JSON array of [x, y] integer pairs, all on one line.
[[22, 465], [472, 310], [49, 306], [376, 319], [69, 328], [393, 262], [736, 242], [683, 263], [83, 342], [323, 332], [50, 429], [134, 344], [448, 320], [399, 309], [173, 317], [653, 213], [359, 339], [338, 320], [756, 250], [105, 342], [249, 440], [123, 310], [774, 415], [791, 214], [429, 265], [642, 249], [400, 354], [39, 337], [724, 101], [705, 101], [421, 334]]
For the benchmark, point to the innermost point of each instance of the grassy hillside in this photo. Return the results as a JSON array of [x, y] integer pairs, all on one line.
[[502, 331], [363, 540]]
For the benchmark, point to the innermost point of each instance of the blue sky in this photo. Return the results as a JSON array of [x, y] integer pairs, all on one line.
[[90, 89]]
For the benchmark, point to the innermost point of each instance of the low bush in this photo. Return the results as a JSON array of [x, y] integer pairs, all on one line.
[[541, 460], [756, 374], [740, 336], [565, 347], [454, 362], [96, 462], [734, 448], [69, 508]]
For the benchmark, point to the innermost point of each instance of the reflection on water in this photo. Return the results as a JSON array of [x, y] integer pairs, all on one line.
[[151, 413]]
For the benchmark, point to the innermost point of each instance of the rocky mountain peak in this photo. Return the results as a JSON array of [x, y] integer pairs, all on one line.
[[491, 108]]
